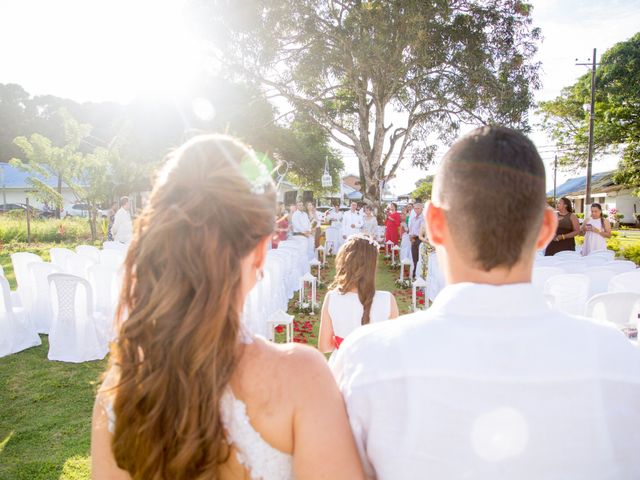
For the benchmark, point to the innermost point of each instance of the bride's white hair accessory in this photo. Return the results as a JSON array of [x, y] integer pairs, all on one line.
[[364, 236]]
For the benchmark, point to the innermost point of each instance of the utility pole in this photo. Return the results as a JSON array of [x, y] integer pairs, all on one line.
[[592, 113], [555, 171]]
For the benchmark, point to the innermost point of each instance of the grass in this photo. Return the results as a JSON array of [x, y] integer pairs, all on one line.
[[45, 416], [13, 228], [45, 406]]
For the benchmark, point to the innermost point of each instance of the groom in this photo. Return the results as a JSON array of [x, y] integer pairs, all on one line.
[[489, 383]]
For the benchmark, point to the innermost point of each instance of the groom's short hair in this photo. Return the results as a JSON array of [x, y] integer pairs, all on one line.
[[492, 186]]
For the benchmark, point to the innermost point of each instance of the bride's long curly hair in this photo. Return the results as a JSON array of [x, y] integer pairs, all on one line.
[[356, 265], [179, 311]]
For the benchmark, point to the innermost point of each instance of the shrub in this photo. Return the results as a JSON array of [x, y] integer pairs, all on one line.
[[44, 230], [632, 253]]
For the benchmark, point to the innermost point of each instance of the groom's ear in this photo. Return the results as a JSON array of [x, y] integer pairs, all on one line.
[[436, 222]]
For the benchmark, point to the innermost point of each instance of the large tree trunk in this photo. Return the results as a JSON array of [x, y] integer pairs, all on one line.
[[60, 192]]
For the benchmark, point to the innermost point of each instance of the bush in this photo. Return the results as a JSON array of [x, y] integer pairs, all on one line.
[[632, 253], [44, 230]]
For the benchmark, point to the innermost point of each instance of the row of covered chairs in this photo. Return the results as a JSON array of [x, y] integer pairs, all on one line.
[[72, 299]]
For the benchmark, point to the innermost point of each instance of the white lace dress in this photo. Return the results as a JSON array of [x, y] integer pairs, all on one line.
[[262, 461]]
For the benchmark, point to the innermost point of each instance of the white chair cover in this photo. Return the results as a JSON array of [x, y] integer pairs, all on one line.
[[104, 283], [405, 247], [599, 278], [608, 254], [572, 266], [595, 260], [109, 245], [570, 292], [621, 266], [24, 279], [435, 277], [112, 258], [60, 257], [74, 335], [547, 261], [89, 251], [79, 265], [567, 253], [17, 333], [621, 308], [41, 311], [542, 274], [625, 282]]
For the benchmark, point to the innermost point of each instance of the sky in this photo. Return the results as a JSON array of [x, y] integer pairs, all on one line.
[[90, 50]]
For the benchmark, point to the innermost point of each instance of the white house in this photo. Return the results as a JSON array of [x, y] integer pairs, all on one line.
[[603, 191]]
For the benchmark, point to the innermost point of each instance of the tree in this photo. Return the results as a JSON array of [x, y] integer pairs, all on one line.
[[423, 189], [86, 175], [617, 113], [383, 78]]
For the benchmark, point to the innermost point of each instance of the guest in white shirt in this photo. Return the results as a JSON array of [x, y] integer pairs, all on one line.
[[301, 226], [489, 383], [351, 221], [415, 227], [334, 232], [122, 228], [353, 300]]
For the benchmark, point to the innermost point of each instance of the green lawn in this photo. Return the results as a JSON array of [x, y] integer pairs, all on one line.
[[45, 407]]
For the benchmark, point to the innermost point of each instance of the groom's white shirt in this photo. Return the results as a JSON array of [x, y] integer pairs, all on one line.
[[490, 384]]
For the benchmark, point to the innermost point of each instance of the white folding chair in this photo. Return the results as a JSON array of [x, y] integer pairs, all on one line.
[[60, 257], [625, 282], [75, 332], [17, 332], [599, 278], [542, 274], [621, 308], [595, 261], [89, 251], [621, 266], [608, 254], [41, 311], [24, 279], [570, 292]]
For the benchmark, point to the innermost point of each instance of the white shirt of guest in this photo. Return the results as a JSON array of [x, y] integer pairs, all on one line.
[[300, 221], [333, 216], [490, 384], [370, 226], [122, 228], [351, 218]]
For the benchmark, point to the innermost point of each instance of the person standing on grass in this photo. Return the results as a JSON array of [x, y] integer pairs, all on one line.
[[415, 227], [392, 224], [189, 393], [595, 230], [568, 228], [352, 299], [351, 221], [122, 227], [489, 383], [369, 222]]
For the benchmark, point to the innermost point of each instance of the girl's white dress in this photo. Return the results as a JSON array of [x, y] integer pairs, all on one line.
[[593, 241]]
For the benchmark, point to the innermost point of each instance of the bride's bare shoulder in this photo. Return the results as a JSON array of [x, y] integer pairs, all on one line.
[[288, 360]]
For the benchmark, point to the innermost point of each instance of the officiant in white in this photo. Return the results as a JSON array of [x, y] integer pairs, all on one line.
[[334, 232], [351, 222], [301, 226]]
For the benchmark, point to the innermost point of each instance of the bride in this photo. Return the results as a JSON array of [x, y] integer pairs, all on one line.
[[189, 394]]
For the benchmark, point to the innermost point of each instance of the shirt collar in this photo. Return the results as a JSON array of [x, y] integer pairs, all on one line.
[[482, 300]]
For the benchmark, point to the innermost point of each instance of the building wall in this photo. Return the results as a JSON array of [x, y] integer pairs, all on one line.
[[628, 205], [622, 201]]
